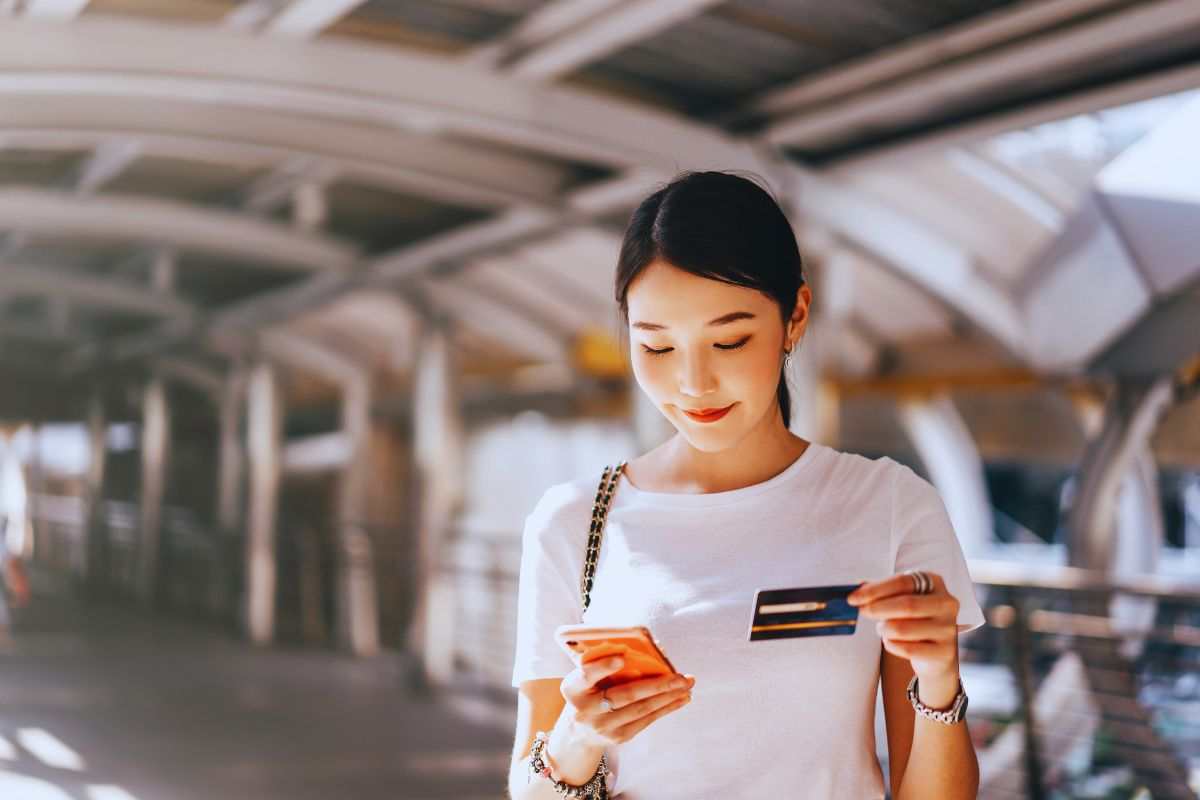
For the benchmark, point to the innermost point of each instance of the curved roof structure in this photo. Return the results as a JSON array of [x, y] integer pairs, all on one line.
[[187, 176]]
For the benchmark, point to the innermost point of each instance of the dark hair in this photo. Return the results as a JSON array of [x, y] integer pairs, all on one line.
[[716, 225]]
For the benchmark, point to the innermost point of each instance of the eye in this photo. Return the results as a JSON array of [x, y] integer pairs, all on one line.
[[651, 351], [733, 346]]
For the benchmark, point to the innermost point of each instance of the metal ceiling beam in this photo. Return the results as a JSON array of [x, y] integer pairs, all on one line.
[[194, 373], [265, 244], [1158, 84], [1004, 183], [307, 18], [917, 254], [327, 79], [88, 291], [566, 35], [436, 176], [904, 101], [306, 353], [108, 160], [924, 52], [332, 79], [913, 252]]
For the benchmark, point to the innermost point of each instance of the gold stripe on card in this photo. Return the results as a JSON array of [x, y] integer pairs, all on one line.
[[783, 626]]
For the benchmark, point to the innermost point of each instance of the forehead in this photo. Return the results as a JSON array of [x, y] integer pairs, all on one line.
[[667, 295]]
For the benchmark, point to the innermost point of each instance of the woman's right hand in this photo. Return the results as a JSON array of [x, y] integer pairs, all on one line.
[[634, 705]]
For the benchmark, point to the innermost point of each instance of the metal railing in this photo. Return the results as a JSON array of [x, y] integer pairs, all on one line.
[[1103, 678]]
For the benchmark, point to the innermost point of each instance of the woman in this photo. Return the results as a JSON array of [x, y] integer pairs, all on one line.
[[711, 287]]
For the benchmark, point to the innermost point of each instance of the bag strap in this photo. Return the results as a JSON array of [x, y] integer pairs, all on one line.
[[604, 492]]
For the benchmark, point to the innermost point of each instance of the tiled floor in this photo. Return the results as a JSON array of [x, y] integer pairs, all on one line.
[[100, 703]]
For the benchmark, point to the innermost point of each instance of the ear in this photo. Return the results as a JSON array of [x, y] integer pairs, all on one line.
[[798, 322]]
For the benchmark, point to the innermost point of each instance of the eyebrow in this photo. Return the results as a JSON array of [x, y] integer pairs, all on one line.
[[722, 320]]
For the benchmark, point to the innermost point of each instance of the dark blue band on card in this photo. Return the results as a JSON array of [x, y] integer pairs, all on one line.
[[803, 611]]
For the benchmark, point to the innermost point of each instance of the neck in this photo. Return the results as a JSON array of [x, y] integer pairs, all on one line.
[[768, 449]]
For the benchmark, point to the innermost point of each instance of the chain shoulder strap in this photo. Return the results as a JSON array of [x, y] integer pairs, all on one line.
[[604, 492]]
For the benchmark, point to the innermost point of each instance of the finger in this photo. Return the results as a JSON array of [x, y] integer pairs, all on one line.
[[901, 583], [626, 714], [911, 605], [641, 724], [601, 668], [587, 674], [921, 651], [917, 630], [632, 692], [870, 592]]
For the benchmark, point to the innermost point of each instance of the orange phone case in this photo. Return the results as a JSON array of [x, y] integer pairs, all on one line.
[[643, 657]]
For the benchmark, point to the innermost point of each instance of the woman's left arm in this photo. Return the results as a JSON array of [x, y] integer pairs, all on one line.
[[920, 635]]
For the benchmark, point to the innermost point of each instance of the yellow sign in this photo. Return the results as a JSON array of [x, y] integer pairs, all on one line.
[[597, 352]]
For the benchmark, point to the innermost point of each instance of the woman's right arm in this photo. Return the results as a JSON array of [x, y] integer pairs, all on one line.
[[577, 728]]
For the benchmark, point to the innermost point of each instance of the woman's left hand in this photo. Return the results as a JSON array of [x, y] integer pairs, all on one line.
[[921, 628]]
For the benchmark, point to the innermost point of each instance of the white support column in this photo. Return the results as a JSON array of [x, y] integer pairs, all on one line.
[[156, 433], [357, 600], [439, 464], [95, 529], [358, 605], [1115, 524], [263, 438], [948, 451], [1129, 420]]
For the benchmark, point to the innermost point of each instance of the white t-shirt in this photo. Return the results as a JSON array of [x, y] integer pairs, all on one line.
[[768, 718]]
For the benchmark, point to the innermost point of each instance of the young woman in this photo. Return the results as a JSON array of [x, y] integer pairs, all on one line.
[[711, 287]]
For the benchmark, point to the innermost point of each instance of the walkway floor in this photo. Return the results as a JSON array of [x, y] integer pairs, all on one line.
[[100, 703]]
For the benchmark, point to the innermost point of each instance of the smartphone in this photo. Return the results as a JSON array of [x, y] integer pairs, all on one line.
[[643, 656]]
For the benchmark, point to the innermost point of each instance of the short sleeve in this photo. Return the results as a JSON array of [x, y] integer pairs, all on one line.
[[924, 538], [548, 586]]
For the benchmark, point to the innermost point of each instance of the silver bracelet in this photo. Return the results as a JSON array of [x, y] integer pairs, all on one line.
[[957, 711], [596, 786]]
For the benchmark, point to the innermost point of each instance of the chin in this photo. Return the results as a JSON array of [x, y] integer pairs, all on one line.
[[709, 444], [709, 441]]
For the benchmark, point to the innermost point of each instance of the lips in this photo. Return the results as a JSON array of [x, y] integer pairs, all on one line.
[[708, 414]]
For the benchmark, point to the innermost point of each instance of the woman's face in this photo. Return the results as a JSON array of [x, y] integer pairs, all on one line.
[[698, 344]]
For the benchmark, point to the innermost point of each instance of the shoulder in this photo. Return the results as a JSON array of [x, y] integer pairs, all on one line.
[[565, 507], [861, 482], [857, 472]]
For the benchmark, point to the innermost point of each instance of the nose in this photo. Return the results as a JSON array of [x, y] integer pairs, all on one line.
[[695, 378]]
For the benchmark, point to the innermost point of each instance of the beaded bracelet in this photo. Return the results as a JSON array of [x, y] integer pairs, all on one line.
[[596, 787]]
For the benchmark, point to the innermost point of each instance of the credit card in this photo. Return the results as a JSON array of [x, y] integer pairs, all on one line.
[[803, 611]]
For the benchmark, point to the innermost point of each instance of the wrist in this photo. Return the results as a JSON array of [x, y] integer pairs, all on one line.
[[938, 691], [575, 754], [566, 734]]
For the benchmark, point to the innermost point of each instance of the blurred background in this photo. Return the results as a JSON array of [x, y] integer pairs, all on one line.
[[304, 303]]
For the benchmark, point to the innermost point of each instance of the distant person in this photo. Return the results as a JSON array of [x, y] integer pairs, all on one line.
[[14, 583]]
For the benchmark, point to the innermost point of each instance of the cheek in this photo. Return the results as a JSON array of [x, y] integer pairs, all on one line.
[[755, 376], [652, 376]]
